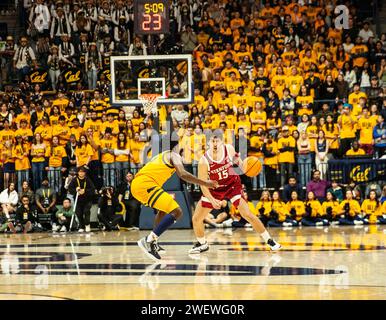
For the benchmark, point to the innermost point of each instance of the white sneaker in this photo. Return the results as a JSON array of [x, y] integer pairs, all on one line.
[[88, 228], [55, 228], [198, 248], [248, 225], [319, 223], [227, 223], [274, 246], [63, 229], [287, 224], [358, 222], [81, 230]]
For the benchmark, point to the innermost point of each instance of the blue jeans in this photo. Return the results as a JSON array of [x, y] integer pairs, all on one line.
[[92, 78], [108, 174], [37, 174], [22, 175], [55, 178], [305, 165], [122, 167]]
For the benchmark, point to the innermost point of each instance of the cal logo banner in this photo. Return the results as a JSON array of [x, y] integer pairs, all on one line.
[[39, 76], [72, 75], [357, 170], [106, 73]]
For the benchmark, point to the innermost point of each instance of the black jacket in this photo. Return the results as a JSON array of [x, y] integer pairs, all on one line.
[[86, 184], [24, 215], [288, 190]]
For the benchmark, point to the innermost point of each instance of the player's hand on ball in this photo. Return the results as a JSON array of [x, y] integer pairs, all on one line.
[[211, 184]]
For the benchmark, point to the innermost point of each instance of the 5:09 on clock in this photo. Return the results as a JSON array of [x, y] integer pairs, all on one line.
[[151, 16]]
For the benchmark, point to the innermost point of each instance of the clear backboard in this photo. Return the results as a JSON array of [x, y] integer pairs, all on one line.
[[167, 75]]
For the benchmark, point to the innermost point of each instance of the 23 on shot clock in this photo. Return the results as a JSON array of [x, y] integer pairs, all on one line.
[[151, 16]]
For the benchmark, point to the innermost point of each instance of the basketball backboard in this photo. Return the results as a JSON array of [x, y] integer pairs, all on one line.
[[168, 75]]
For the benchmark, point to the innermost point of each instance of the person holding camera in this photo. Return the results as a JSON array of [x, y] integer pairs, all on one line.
[[83, 188], [132, 205], [108, 207]]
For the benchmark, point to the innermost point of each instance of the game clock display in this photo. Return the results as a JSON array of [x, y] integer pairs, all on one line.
[[151, 16]]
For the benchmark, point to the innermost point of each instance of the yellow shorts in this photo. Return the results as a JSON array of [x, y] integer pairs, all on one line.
[[149, 193]]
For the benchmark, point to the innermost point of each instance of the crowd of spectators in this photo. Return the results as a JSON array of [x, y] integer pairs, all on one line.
[[277, 77]]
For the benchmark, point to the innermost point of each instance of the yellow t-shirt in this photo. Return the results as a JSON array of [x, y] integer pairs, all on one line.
[[359, 152], [83, 153], [136, 147], [258, 115], [298, 206], [35, 151], [109, 144], [19, 151], [7, 135], [286, 156], [55, 155], [347, 129], [355, 208], [334, 206], [366, 127], [62, 132], [123, 157], [45, 132]]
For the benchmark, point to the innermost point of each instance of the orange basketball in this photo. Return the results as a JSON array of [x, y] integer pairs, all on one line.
[[252, 166]]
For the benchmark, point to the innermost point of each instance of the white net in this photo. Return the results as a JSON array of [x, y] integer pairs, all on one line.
[[149, 102]]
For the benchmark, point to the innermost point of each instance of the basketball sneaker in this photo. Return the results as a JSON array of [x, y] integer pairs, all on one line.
[[274, 246], [149, 248], [198, 248], [159, 248], [88, 228]]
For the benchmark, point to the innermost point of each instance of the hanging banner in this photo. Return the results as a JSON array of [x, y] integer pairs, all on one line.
[[357, 170], [39, 76], [73, 76]]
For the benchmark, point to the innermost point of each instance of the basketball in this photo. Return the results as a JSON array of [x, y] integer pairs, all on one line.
[[252, 166]]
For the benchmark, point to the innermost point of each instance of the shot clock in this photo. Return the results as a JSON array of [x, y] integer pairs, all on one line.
[[151, 16]]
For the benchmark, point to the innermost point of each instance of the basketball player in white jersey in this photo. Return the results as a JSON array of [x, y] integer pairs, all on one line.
[[217, 165]]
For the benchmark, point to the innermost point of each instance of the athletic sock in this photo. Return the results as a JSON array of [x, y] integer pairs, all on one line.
[[201, 240], [165, 223], [151, 237], [265, 235]]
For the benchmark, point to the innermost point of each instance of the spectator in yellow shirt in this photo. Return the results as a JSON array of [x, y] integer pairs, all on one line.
[[366, 126], [349, 210], [355, 150], [20, 152], [346, 124], [372, 210], [55, 154], [108, 159], [314, 216], [62, 131], [83, 152], [38, 149], [122, 156], [279, 215]]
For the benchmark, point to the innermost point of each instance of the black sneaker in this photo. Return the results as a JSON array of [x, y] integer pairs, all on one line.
[[198, 248], [149, 248], [159, 248]]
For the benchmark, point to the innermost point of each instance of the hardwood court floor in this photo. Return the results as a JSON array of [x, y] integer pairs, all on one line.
[[326, 263]]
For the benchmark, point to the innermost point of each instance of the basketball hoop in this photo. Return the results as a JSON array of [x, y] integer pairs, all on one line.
[[149, 102]]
